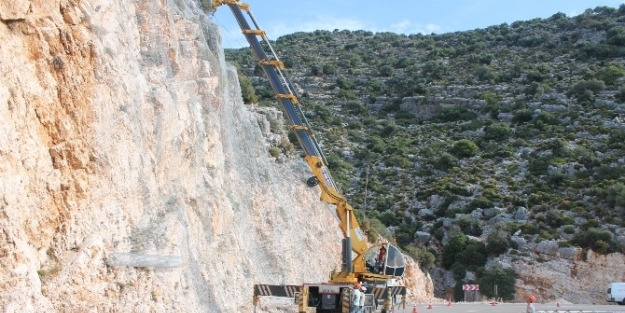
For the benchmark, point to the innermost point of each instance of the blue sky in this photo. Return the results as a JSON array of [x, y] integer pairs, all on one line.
[[281, 17]]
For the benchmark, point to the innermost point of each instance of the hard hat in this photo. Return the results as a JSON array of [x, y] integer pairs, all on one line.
[[531, 299]]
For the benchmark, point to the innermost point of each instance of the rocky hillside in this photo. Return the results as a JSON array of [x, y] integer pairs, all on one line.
[[132, 177], [497, 149]]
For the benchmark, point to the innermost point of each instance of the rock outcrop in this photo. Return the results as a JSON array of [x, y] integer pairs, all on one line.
[[583, 279], [132, 177], [122, 132]]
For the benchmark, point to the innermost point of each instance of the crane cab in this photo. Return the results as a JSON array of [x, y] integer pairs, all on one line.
[[386, 260]]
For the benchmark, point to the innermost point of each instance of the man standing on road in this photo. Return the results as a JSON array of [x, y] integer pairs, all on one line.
[[362, 300], [530, 306], [355, 299]]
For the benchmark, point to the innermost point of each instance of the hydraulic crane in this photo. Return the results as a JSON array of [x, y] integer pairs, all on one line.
[[361, 263]]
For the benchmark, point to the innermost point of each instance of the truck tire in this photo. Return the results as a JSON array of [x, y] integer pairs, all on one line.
[[346, 299]]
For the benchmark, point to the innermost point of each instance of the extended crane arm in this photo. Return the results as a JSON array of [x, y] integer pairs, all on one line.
[[356, 240]]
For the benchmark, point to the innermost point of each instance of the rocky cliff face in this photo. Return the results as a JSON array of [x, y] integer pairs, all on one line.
[[581, 277], [122, 132]]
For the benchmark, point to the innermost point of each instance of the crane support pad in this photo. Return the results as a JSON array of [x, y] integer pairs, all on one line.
[[284, 291]]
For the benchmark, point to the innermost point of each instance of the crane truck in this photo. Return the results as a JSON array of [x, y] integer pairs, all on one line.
[[373, 266]]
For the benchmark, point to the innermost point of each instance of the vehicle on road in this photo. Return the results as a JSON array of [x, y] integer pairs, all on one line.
[[616, 293]]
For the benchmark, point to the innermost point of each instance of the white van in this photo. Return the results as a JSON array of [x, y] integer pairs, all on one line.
[[616, 293]]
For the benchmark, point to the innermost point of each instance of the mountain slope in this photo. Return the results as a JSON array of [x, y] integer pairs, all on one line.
[[511, 136]]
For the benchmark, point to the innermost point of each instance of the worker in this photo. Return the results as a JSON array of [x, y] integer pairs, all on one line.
[[530, 306], [356, 299], [379, 262], [362, 299], [382, 254]]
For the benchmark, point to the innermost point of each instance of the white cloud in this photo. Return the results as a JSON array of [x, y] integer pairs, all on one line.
[[427, 29], [400, 27], [406, 27]]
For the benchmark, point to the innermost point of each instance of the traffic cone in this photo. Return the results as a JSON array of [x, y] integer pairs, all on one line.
[[414, 309], [430, 305], [558, 304], [448, 303]]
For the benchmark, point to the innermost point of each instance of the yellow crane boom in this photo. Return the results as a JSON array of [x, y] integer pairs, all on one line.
[[360, 263]]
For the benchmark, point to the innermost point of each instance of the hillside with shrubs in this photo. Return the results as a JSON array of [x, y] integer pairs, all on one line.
[[465, 146]]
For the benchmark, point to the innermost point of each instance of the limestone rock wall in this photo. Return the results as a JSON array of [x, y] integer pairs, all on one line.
[[122, 131], [420, 287], [582, 279]]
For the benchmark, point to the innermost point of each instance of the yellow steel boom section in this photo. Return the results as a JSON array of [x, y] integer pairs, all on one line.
[[243, 6], [272, 66]]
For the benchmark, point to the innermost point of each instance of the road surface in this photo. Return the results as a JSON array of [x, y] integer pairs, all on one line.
[[483, 307]]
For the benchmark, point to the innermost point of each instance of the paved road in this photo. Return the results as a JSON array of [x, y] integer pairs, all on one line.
[[512, 308]]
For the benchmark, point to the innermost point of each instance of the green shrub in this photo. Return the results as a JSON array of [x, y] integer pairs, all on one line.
[[422, 256], [445, 162], [498, 241], [458, 190], [439, 233], [599, 240], [594, 86], [616, 36], [404, 234], [601, 247], [248, 93], [473, 256], [522, 116], [616, 195], [537, 89], [457, 242], [610, 74], [399, 161], [464, 148], [548, 234], [538, 166], [605, 172], [491, 193], [505, 279], [275, 151], [470, 227], [458, 292], [497, 131], [480, 202], [546, 118], [377, 229], [458, 270], [372, 235], [620, 96], [591, 223], [389, 219], [564, 244], [553, 218], [329, 69], [569, 229]]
